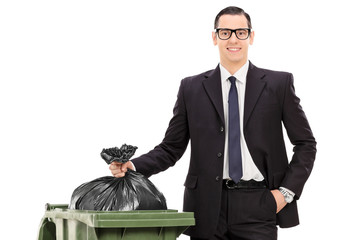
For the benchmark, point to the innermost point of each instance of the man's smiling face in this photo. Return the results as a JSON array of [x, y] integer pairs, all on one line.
[[233, 52]]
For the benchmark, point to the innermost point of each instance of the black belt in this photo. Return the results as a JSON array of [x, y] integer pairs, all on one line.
[[251, 184]]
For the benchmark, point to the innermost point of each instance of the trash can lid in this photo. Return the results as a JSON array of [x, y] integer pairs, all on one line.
[[115, 219]]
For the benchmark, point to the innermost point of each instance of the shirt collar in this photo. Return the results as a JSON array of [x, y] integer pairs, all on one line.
[[240, 74]]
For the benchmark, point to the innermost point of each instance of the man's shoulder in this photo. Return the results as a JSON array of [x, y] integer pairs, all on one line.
[[270, 72], [191, 83], [273, 78], [200, 76]]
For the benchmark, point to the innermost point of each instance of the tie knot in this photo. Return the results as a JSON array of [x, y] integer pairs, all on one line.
[[232, 79]]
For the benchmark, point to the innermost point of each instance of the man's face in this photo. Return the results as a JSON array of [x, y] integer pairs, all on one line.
[[233, 52]]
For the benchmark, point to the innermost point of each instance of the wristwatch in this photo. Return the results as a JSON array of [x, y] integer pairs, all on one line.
[[288, 195]]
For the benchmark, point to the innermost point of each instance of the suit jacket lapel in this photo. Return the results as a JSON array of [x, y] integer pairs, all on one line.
[[212, 85], [254, 87]]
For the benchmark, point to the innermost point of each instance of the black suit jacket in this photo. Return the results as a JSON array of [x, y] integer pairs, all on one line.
[[270, 101]]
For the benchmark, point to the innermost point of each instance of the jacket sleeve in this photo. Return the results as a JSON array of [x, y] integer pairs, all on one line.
[[174, 144], [301, 136]]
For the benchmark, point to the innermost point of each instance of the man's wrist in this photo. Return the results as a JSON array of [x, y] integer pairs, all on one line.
[[134, 168], [288, 194]]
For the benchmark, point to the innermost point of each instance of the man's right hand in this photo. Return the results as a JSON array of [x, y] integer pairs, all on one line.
[[119, 169]]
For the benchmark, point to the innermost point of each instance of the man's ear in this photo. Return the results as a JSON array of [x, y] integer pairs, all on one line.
[[252, 35], [214, 38]]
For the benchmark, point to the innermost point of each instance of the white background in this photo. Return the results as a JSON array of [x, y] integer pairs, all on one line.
[[79, 76]]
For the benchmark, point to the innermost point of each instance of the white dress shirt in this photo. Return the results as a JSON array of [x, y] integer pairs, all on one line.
[[250, 171]]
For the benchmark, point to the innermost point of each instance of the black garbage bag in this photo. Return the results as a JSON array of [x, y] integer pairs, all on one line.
[[121, 155], [131, 192]]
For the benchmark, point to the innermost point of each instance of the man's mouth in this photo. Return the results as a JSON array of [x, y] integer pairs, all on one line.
[[233, 49]]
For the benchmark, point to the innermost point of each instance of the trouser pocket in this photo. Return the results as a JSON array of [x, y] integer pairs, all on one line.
[[251, 206]]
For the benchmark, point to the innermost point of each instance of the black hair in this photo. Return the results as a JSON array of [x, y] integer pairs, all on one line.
[[232, 11]]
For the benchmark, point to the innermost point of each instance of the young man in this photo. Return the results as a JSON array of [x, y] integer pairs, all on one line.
[[240, 184]]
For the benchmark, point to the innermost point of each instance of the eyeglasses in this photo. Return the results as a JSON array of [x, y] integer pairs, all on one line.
[[240, 33]]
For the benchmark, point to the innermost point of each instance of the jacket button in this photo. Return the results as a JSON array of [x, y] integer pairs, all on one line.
[[219, 154], [217, 178], [221, 129]]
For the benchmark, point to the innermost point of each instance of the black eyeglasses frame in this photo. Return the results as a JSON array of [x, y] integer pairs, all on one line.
[[233, 31]]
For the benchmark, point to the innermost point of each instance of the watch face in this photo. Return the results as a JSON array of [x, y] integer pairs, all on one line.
[[288, 198]]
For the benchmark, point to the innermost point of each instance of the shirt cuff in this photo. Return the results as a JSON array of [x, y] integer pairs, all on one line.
[[289, 191], [133, 166]]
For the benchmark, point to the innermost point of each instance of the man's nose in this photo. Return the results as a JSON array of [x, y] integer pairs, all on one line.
[[233, 37]]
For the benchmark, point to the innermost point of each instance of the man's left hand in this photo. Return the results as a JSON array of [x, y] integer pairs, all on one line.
[[280, 199]]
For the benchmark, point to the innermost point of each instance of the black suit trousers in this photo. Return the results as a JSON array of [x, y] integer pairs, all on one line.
[[246, 214]]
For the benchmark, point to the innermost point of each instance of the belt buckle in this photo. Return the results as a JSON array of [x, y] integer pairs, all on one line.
[[232, 186]]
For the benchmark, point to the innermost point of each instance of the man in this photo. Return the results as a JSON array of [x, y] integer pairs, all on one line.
[[240, 184]]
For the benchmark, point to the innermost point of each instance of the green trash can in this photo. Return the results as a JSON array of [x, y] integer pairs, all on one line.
[[61, 223]]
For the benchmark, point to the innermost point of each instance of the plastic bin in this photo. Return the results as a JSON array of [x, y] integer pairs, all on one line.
[[60, 223]]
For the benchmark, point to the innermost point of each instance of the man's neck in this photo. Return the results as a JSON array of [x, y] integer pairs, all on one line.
[[233, 68], [240, 74]]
